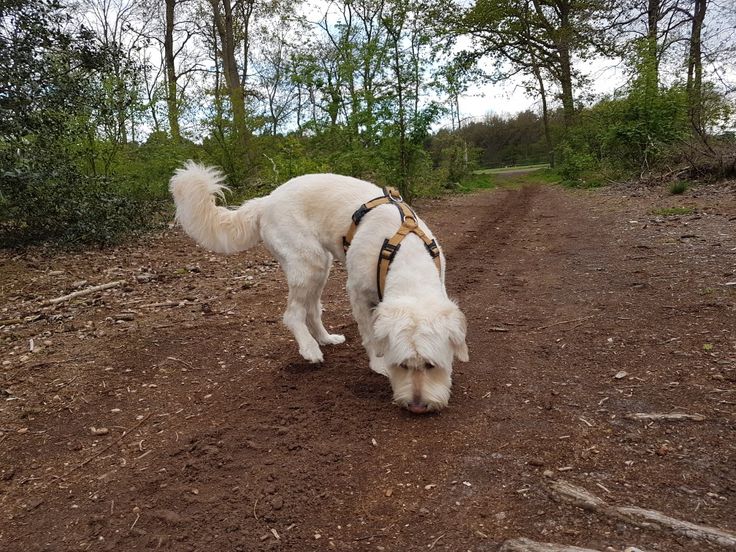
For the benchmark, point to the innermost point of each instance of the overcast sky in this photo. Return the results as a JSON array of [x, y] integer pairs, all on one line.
[[510, 97]]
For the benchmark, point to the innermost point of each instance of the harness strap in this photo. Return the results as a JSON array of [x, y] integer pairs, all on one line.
[[390, 195], [391, 245]]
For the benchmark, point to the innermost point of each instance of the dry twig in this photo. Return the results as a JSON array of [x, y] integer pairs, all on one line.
[[82, 292], [99, 452], [670, 416], [562, 322]]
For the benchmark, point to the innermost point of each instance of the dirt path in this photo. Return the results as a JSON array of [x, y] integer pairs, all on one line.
[[582, 308]]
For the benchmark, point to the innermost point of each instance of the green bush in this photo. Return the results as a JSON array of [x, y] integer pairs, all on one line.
[[679, 187]]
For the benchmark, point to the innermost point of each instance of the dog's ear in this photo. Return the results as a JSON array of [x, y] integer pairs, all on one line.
[[457, 329], [388, 321], [381, 331]]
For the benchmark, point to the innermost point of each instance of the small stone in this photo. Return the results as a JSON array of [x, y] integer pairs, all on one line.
[[621, 375], [430, 486], [99, 430], [536, 462], [389, 492], [145, 277], [548, 473], [277, 503]]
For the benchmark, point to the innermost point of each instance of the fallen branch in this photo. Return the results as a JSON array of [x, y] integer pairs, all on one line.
[[647, 519], [26, 320], [672, 416], [526, 545], [562, 322], [11, 321], [82, 292]]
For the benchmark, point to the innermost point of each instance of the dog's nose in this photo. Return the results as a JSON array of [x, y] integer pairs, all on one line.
[[416, 407]]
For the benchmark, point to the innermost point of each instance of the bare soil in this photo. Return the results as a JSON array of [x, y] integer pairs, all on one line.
[[211, 434]]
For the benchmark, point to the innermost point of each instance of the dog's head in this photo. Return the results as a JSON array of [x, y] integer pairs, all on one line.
[[418, 343]]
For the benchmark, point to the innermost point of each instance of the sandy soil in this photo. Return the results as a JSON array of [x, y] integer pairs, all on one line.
[[211, 434]]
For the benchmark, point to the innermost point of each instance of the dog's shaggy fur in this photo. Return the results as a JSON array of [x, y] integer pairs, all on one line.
[[411, 336]]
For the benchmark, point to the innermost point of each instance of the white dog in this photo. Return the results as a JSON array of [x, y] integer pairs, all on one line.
[[411, 336]]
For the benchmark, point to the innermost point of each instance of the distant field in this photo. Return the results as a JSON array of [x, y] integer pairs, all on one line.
[[515, 168]]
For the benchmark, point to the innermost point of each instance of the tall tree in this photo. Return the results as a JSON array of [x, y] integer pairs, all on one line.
[[695, 67], [529, 35], [171, 76], [224, 20]]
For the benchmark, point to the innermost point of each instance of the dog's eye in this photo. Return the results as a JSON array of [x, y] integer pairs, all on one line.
[[404, 366], [428, 365]]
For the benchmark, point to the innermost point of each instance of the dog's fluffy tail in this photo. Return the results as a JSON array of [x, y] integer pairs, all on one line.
[[195, 189]]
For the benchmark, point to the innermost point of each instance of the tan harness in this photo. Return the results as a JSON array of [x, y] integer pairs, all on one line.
[[391, 246]]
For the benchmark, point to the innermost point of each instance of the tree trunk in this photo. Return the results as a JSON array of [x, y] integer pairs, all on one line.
[[563, 47], [400, 93], [224, 24], [651, 65], [171, 77], [695, 69], [545, 112]]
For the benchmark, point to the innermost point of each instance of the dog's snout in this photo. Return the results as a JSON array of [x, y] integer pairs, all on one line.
[[418, 407]]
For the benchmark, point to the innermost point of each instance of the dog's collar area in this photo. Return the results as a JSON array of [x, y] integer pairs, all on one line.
[[391, 245]]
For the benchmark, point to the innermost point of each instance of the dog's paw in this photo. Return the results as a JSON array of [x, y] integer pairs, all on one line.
[[332, 339], [312, 354]]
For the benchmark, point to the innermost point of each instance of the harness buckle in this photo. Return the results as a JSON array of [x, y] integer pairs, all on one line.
[[359, 214], [388, 250], [434, 250]]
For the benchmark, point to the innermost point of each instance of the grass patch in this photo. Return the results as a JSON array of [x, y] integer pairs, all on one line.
[[673, 211], [485, 180], [679, 187], [477, 181]]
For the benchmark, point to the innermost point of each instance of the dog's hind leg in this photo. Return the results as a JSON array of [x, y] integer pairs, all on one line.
[[295, 318], [314, 309]]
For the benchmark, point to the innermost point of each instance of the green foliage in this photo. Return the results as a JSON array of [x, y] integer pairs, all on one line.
[[507, 141], [678, 187], [63, 207], [49, 91]]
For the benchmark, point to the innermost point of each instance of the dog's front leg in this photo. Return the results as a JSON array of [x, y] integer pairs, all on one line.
[[363, 314]]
